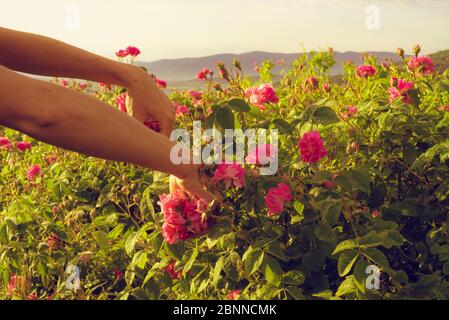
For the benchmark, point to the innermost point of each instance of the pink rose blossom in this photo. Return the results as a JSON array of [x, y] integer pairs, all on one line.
[[161, 83], [121, 53], [421, 65], [350, 113], [133, 51], [400, 90], [33, 172], [311, 147], [5, 143], [202, 75], [121, 101], [233, 295], [262, 154], [83, 85], [64, 83], [276, 198], [170, 269], [366, 71], [182, 110], [196, 96], [261, 95], [230, 174], [51, 159], [183, 217], [23, 146]]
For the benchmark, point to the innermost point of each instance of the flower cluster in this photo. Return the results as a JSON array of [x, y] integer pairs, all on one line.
[[230, 174], [183, 217], [366, 71], [421, 65], [400, 90], [261, 95], [129, 51]]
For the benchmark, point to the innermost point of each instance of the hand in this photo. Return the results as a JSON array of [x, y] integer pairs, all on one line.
[[147, 102], [192, 185]]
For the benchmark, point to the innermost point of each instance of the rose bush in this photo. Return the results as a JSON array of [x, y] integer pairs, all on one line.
[[362, 181]]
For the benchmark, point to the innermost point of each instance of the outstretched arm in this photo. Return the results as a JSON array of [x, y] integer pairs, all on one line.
[[69, 119], [35, 54]]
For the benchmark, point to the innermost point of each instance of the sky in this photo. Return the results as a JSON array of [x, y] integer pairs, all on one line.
[[168, 29]]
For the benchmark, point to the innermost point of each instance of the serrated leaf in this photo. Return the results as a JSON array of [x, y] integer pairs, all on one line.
[[346, 262]]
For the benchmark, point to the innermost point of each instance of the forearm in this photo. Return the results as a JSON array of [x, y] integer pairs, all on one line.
[[35, 54], [77, 122]]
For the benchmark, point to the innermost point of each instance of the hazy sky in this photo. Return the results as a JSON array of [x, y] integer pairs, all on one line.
[[180, 28]]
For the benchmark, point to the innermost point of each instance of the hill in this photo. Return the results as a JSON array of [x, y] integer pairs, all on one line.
[[184, 69]]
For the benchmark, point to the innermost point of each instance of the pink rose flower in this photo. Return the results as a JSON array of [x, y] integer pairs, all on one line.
[[421, 65], [233, 295], [182, 110], [83, 85], [33, 172], [64, 83], [196, 96], [161, 83], [276, 198], [133, 51], [261, 95], [121, 53], [23, 146], [5, 143], [170, 269], [350, 113], [230, 174], [202, 75], [183, 217], [365, 71], [311, 147], [121, 101], [311, 84], [262, 154], [399, 90]]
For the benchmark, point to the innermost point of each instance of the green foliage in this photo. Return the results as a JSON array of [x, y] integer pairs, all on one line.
[[380, 199]]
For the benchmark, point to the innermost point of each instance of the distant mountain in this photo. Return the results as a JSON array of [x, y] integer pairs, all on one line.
[[441, 60], [185, 68]]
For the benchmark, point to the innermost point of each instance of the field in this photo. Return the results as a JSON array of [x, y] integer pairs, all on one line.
[[358, 208]]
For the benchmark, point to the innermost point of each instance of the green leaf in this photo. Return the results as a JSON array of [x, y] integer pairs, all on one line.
[[131, 243], [346, 261], [325, 233], [360, 181], [360, 274], [238, 105], [325, 115], [190, 263], [175, 250], [216, 274], [348, 286], [252, 259], [101, 238], [225, 118], [294, 277], [295, 292], [283, 126], [272, 270], [346, 245], [139, 259]]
